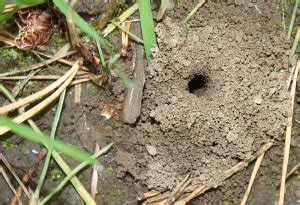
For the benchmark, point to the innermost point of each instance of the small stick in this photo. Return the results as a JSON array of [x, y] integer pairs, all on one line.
[[293, 170], [74, 82], [171, 199], [120, 19], [37, 77], [41, 77], [95, 176], [14, 174], [7, 41], [181, 190], [38, 65], [156, 199], [192, 195], [288, 138], [29, 174], [77, 94], [290, 77], [133, 94], [2, 171], [64, 61], [125, 39], [252, 178]]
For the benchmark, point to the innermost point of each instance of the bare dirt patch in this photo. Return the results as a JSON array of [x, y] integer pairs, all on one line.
[[212, 96]]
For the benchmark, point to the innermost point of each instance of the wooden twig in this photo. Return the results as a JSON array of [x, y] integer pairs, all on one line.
[[133, 95], [120, 19], [38, 65], [64, 61], [77, 94], [252, 178], [37, 77], [195, 193], [29, 174], [44, 103], [291, 77], [293, 170], [74, 82], [40, 77], [288, 138], [3, 172], [14, 174], [6, 40], [172, 198], [95, 176], [125, 39]]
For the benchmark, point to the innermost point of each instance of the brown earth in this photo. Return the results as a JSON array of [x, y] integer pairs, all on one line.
[[212, 96]]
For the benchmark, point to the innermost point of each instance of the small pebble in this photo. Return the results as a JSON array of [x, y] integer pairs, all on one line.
[[151, 150], [257, 99], [231, 136]]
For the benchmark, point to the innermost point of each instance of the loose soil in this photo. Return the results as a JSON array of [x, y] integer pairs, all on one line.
[[214, 94], [212, 98]]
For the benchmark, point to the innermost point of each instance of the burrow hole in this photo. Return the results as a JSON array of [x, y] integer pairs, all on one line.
[[198, 85]]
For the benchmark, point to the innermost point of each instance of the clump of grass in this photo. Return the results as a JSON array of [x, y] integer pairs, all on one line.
[[6, 144]]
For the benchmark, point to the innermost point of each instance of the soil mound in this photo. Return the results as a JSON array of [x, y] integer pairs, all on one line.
[[212, 96]]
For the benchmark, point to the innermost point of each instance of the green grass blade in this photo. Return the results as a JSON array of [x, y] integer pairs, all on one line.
[[294, 47], [147, 26], [27, 2], [30, 134], [83, 25], [2, 6], [291, 26], [74, 172], [117, 68], [132, 35], [42, 178]]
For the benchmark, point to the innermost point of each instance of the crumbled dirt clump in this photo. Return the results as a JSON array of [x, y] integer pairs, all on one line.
[[212, 96]]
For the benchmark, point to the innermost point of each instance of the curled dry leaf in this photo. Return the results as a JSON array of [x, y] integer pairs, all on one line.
[[37, 29], [109, 110], [119, 106]]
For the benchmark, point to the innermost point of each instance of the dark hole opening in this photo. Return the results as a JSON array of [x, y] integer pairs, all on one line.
[[198, 84]]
